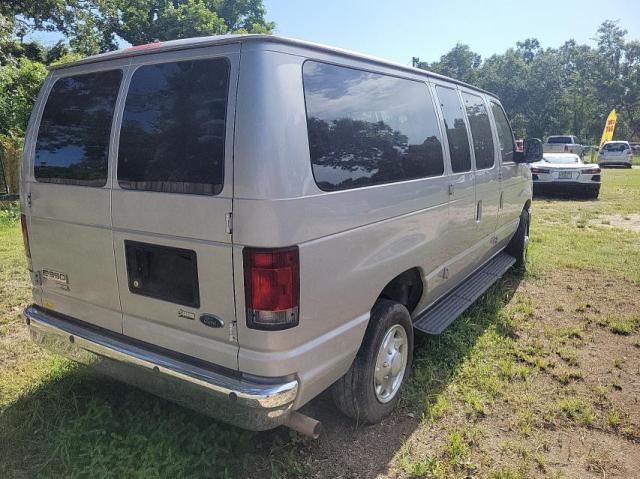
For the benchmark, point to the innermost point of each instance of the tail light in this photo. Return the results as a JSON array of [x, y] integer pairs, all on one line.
[[539, 170], [591, 171], [25, 239], [272, 287]]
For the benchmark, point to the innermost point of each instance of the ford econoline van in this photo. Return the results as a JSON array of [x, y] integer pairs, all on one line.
[[238, 223]]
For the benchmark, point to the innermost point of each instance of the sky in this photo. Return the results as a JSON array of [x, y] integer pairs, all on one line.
[[401, 29]]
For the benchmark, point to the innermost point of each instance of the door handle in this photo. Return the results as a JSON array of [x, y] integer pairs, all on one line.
[[478, 211], [451, 189]]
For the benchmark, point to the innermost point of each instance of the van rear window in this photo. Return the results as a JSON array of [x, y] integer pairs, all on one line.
[[173, 128], [73, 139], [366, 128]]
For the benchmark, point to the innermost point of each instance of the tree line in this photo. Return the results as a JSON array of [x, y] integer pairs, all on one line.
[[569, 90], [565, 90]]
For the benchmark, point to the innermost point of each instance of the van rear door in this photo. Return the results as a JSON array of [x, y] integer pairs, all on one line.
[[67, 194], [172, 201]]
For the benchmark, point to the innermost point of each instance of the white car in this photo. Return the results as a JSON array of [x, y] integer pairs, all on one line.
[[565, 172], [615, 153]]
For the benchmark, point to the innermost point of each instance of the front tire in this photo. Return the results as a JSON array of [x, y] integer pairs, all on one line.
[[518, 245], [370, 390]]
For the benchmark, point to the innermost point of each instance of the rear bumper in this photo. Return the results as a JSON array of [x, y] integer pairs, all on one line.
[[257, 403], [565, 186], [614, 162]]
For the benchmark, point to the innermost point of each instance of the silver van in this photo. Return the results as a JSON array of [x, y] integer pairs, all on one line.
[[238, 223]]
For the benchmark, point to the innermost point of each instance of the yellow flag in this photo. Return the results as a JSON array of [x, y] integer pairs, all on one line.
[[607, 133]]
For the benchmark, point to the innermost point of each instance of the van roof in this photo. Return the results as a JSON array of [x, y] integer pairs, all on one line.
[[186, 43]]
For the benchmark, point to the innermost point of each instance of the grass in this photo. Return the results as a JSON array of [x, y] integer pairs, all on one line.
[[488, 395], [578, 411], [564, 238]]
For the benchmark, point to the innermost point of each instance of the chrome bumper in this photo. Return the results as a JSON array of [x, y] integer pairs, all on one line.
[[251, 404]]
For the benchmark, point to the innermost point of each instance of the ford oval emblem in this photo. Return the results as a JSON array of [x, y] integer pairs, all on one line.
[[211, 321]]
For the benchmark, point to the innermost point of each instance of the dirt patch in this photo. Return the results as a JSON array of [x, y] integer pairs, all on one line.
[[576, 415], [629, 222]]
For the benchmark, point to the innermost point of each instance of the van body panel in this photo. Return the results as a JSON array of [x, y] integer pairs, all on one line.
[[395, 245], [272, 132], [70, 227], [461, 227], [276, 194], [487, 193], [516, 188], [190, 222]]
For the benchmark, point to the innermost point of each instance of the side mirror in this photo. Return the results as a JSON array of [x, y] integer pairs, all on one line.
[[532, 151]]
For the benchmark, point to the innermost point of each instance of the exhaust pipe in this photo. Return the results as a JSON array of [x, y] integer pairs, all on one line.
[[305, 425]]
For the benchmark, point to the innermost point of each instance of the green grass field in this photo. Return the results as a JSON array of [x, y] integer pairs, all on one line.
[[538, 379]]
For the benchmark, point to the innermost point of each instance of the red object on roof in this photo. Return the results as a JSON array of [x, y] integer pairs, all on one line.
[[144, 46]]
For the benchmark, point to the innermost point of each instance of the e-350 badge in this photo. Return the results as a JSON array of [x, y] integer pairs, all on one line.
[[186, 314], [60, 279]]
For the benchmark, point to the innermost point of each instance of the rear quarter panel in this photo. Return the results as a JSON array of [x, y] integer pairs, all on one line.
[[352, 243]]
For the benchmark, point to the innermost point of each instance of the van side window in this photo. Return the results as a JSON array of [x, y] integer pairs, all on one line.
[[366, 128], [480, 130], [505, 135], [73, 138], [456, 129], [173, 128]]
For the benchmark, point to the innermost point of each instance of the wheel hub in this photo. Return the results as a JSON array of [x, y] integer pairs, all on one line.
[[391, 363]]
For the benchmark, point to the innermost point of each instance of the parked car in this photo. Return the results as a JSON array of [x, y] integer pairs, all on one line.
[[635, 148], [563, 144], [615, 153], [238, 223], [567, 173]]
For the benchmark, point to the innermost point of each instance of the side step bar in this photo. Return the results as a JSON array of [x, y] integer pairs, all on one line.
[[436, 319]]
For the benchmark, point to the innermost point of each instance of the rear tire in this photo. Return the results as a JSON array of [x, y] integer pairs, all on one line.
[[593, 193], [360, 393], [518, 245]]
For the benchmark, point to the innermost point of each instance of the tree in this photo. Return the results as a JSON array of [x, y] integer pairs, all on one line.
[[19, 86], [568, 90], [528, 49], [94, 26], [460, 63], [617, 71]]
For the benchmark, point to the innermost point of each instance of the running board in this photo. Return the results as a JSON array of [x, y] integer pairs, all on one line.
[[436, 319]]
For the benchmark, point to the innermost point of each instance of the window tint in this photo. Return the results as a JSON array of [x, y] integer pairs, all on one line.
[[456, 129], [366, 128], [480, 130], [505, 136], [73, 138], [173, 128], [560, 139]]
